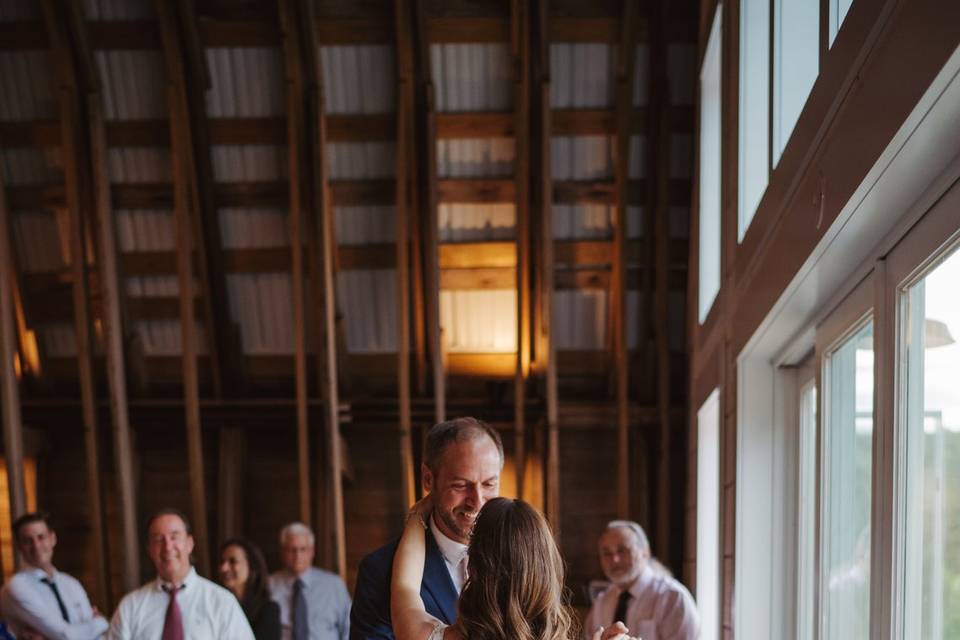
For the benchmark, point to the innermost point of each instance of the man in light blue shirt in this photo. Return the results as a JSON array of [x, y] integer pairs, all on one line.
[[40, 601], [314, 604]]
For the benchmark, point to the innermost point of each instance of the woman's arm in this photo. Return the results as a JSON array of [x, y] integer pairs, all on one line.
[[410, 619]]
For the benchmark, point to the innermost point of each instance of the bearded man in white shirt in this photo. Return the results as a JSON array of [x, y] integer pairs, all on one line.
[[642, 595], [179, 604], [39, 601]]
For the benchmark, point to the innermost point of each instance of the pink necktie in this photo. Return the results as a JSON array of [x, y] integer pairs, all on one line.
[[173, 623]]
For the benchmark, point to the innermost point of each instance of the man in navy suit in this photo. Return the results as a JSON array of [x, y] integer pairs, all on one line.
[[463, 459]]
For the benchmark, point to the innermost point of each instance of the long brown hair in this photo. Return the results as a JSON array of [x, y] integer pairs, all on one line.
[[515, 590], [255, 591]]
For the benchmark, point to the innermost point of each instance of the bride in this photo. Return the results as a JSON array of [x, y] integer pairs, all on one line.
[[515, 585]]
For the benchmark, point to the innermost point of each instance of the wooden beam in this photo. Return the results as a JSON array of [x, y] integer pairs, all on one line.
[[75, 79], [476, 190], [520, 53], [232, 462], [406, 176], [12, 422], [444, 30], [462, 255], [474, 124], [625, 59], [184, 176], [478, 278]]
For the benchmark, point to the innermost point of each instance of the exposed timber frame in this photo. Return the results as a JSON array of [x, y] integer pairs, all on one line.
[[78, 85]]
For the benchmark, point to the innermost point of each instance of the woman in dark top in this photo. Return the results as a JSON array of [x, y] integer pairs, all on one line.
[[244, 572]]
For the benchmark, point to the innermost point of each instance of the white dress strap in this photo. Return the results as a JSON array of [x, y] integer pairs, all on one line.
[[437, 633]]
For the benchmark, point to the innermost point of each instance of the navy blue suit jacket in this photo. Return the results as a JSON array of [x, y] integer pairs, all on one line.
[[370, 613]]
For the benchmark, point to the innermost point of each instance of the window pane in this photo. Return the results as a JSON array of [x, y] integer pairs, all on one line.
[[838, 11], [754, 108], [708, 517], [932, 456], [846, 486], [806, 509], [796, 49], [710, 100]]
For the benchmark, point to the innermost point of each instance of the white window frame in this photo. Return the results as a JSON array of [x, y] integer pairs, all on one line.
[[710, 190], [708, 516]]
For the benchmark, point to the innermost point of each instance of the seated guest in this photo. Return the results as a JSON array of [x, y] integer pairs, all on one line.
[[314, 604], [179, 604], [644, 597], [40, 601], [244, 572]]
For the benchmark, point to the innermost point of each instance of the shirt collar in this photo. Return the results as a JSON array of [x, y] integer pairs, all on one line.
[[451, 550], [40, 574], [187, 580], [642, 582]]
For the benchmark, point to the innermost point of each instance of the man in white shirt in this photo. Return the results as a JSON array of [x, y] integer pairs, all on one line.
[[643, 595], [314, 604], [179, 604], [40, 601]]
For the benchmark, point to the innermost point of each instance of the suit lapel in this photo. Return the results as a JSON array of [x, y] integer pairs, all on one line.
[[437, 581]]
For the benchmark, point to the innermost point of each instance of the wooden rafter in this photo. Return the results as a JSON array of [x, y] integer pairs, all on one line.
[[77, 82], [625, 60]]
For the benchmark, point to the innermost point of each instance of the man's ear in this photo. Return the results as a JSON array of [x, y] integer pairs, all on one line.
[[426, 478]]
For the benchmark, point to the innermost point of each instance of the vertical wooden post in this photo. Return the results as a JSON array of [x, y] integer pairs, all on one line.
[[406, 181], [75, 75], [659, 145], [520, 44], [618, 281], [232, 454], [12, 423]]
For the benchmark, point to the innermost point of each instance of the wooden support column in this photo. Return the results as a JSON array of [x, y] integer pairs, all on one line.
[[231, 485], [546, 356], [520, 57], [77, 82], [618, 282], [12, 423], [658, 179], [428, 176], [405, 203], [184, 183]]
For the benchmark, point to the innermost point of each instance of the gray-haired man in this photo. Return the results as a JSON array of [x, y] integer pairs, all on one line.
[[314, 604], [643, 595]]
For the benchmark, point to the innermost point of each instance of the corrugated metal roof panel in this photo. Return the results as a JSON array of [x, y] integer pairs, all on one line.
[[247, 83], [641, 77], [343, 65], [479, 321], [162, 337], [243, 228], [580, 319], [261, 304], [682, 72], [681, 155], [30, 166], [368, 299], [153, 286], [361, 160], [139, 164], [471, 77], [582, 221], [59, 340], [475, 158], [132, 84], [581, 158], [637, 157], [40, 240], [635, 222], [476, 222], [243, 163], [145, 230], [118, 9], [20, 10], [581, 75], [26, 86], [365, 225]]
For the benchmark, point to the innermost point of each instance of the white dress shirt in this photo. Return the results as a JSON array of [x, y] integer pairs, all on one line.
[[454, 556], [208, 611], [660, 609], [28, 602], [328, 603]]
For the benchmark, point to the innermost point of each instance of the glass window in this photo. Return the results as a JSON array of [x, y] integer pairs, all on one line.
[[806, 509], [838, 11], [932, 454], [796, 59], [708, 517], [710, 101], [846, 487], [754, 113]]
